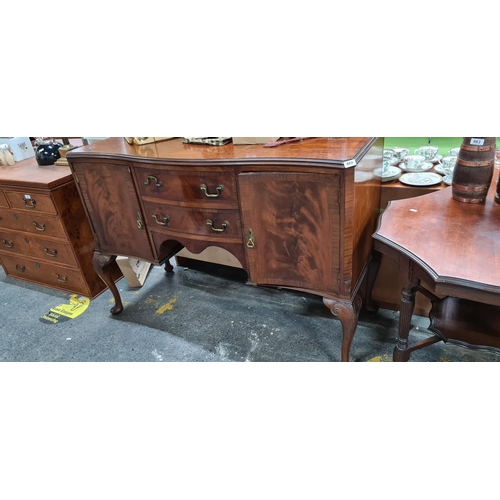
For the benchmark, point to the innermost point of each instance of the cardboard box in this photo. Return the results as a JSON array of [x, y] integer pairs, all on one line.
[[253, 140], [216, 255], [20, 147], [134, 270]]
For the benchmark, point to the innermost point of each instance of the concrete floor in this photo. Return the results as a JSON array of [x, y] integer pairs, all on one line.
[[203, 313]]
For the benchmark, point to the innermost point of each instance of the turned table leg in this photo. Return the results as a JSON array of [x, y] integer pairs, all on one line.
[[401, 352], [101, 265], [348, 313]]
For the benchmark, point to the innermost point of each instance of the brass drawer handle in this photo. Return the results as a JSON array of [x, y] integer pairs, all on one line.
[[8, 244], [21, 269], [250, 238], [166, 219], [225, 225], [30, 203], [219, 190], [153, 178], [62, 279], [50, 254], [41, 228]]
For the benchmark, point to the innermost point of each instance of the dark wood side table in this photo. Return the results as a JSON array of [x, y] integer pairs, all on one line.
[[453, 249], [384, 293]]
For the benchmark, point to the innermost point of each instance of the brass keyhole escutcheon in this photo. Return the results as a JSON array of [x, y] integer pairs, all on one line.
[[250, 238], [140, 224]]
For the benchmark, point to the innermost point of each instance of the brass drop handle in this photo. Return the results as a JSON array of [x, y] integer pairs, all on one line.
[[250, 238], [62, 279], [41, 228], [225, 225], [50, 254], [166, 219], [21, 269], [8, 244], [219, 190], [153, 178], [29, 203]]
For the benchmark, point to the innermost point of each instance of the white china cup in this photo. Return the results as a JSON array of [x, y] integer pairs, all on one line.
[[413, 162], [448, 164], [454, 151], [400, 153], [429, 152], [388, 159]]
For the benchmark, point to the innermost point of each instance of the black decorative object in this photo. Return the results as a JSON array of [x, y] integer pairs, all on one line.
[[47, 153]]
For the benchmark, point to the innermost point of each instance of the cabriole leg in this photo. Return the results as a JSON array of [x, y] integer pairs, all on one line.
[[101, 265], [348, 313]]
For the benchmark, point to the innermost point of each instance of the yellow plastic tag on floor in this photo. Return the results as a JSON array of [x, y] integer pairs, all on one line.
[[64, 312]]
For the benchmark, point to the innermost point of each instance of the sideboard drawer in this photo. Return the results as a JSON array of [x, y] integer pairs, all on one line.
[[46, 274], [219, 223], [36, 247], [33, 202], [36, 223], [3, 200], [210, 188]]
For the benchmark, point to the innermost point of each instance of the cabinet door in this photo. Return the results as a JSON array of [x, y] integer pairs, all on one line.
[[291, 224], [111, 201]]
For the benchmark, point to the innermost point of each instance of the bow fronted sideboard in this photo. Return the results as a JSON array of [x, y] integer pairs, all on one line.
[[297, 216]]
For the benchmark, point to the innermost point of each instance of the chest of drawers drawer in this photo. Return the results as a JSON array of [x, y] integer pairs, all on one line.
[[219, 223], [37, 247], [3, 200], [45, 236], [36, 223], [32, 202], [44, 273], [203, 189]]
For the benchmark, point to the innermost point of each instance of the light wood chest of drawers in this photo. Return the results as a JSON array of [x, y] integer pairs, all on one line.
[[45, 237]]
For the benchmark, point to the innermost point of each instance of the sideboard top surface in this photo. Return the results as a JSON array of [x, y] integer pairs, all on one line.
[[334, 151]]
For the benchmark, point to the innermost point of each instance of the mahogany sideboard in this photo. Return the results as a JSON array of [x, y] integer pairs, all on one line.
[[298, 216], [45, 237]]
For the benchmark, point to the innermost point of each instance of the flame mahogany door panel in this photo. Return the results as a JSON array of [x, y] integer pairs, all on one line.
[[291, 226], [111, 201]]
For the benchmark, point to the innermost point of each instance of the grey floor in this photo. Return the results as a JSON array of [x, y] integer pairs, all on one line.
[[201, 313]]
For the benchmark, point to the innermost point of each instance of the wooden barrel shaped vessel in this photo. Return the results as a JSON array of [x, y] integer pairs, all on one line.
[[474, 169]]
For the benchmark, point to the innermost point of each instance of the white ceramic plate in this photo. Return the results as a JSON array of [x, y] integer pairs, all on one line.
[[421, 179], [427, 165], [391, 173]]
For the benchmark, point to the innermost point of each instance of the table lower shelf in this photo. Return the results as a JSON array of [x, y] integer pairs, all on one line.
[[467, 323]]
